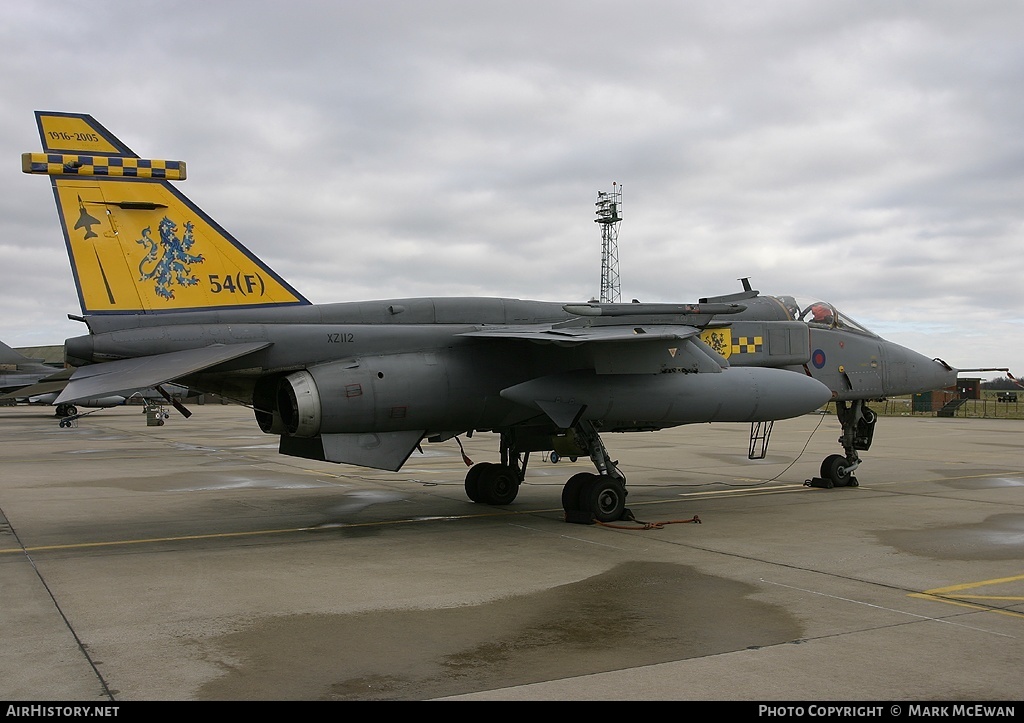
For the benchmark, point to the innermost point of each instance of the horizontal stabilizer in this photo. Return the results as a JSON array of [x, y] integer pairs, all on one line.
[[127, 375]]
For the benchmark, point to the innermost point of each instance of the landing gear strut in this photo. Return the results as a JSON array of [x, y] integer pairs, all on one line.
[[600, 497], [858, 422], [586, 497]]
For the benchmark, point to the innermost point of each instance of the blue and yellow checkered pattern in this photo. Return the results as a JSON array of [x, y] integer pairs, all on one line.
[[59, 164]]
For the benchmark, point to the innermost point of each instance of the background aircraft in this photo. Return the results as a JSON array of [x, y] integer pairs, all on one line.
[[68, 412], [167, 294], [34, 382], [18, 371]]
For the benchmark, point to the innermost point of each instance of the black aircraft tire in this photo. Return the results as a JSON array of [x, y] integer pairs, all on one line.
[[832, 470], [473, 481], [498, 485], [573, 488], [605, 498], [72, 410]]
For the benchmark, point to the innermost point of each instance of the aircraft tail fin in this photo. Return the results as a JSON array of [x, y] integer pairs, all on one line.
[[13, 358], [10, 356], [137, 245]]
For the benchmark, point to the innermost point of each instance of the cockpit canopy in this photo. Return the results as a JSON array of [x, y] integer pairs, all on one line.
[[819, 313]]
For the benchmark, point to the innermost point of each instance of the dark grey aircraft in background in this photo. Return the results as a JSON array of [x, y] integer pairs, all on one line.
[[167, 294], [31, 381], [17, 371]]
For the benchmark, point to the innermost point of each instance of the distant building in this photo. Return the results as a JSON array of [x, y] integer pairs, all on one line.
[[935, 400]]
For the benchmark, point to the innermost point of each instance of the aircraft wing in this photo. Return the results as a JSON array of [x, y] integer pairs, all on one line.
[[622, 348], [611, 333], [127, 375]]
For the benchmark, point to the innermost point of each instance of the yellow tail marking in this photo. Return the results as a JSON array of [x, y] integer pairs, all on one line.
[[136, 246], [73, 133]]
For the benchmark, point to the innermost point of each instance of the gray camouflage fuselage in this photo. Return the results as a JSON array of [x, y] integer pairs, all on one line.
[[405, 364]]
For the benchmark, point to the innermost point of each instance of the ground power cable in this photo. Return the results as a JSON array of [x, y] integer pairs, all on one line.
[[628, 517]]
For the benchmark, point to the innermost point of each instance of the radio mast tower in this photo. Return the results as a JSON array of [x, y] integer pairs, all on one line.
[[609, 214]]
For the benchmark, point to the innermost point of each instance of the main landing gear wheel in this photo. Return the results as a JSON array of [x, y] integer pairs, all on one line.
[[473, 481], [605, 497], [499, 485], [492, 484], [590, 497], [573, 488]]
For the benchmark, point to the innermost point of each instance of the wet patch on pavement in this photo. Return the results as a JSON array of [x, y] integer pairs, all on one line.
[[998, 537], [635, 614]]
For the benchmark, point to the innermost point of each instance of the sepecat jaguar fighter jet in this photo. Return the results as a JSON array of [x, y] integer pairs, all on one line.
[[169, 295]]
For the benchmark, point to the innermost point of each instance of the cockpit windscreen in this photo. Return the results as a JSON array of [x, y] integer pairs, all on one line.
[[820, 313]]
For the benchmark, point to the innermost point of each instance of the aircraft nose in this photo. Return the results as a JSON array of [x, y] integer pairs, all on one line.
[[908, 372], [937, 374]]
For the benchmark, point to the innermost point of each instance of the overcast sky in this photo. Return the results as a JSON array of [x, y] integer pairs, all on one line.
[[869, 153]]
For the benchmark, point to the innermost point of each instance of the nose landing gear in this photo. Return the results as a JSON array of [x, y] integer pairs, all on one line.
[[858, 423]]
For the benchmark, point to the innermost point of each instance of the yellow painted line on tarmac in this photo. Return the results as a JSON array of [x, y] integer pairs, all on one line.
[[957, 595], [256, 533], [972, 585], [777, 489], [350, 525], [144, 541]]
